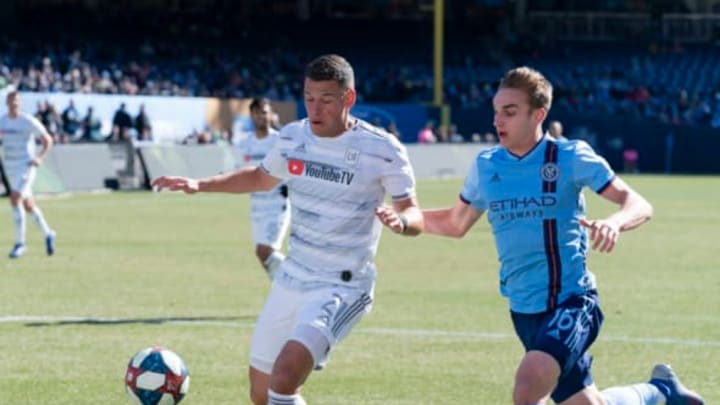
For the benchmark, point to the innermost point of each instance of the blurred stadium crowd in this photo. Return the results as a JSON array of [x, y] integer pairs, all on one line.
[[196, 53]]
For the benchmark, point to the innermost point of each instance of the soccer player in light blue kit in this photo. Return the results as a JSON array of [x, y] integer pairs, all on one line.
[[531, 188]]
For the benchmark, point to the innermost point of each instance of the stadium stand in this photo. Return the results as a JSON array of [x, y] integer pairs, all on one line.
[[655, 71], [677, 84]]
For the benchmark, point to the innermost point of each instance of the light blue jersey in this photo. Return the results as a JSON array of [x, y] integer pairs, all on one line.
[[533, 204]]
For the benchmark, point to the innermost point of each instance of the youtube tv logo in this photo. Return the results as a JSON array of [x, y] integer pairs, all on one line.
[[296, 167]]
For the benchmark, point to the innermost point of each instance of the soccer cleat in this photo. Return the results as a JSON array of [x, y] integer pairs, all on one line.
[[17, 250], [665, 379], [50, 243]]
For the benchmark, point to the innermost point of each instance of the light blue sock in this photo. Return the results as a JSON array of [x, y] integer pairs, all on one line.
[[638, 394]]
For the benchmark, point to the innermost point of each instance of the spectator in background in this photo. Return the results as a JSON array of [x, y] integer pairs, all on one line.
[[48, 116], [426, 134], [205, 136], [142, 125], [198, 137], [455, 136], [443, 134], [630, 159], [122, 122], [70, 118], [555, 129], [91, 128]]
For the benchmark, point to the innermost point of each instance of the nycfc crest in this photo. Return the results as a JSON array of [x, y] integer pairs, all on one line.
[[550, 172]]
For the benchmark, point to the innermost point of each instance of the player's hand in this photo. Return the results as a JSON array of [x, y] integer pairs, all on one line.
[[603, 233], [390, 219], [172, 183], [36, 162]]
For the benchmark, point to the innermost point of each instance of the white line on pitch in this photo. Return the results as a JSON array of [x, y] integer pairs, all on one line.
[[374, 331]]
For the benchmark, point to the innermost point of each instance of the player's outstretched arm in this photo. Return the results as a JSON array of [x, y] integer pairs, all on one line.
[[244, 180], [404, 217], [634, 211], [453, 221], [174, 183]]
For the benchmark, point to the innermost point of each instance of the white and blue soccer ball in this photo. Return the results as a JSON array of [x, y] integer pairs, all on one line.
[[156, 376]]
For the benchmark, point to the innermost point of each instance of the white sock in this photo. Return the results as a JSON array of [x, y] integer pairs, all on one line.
[[281, 399], [40, 220], [272, 263], [19, 219], [638, 394]]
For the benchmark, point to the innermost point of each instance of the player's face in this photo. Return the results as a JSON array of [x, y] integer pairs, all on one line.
[[13, 102], [328, 106], [515, 122], [261, 117]]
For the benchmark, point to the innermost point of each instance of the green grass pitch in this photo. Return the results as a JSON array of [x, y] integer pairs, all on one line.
[[179, 271]]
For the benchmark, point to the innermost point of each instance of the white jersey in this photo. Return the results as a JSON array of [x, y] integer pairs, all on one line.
[[253, 151], [18, 137], [335, 185]]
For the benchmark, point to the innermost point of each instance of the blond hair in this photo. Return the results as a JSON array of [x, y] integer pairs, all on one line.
[[533, 83]]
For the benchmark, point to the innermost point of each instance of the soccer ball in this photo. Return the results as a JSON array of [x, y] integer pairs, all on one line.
[[156, 376]]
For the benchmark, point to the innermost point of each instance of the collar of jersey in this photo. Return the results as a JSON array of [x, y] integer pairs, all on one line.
[[530, 154]]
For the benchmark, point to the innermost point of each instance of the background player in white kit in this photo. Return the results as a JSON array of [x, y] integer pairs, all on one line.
[[19, 132], [338, 170], [269, 210]]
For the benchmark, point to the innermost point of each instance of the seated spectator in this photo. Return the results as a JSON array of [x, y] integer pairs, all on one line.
[[91, 128], [426, 134], [121, 124], [555, 129], [455, 136], [71, 128], [48, 116], [143, 127], [631, 158]]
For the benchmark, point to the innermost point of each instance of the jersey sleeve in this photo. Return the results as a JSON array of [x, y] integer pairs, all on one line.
[[470, 193], [275, 162], [37, 128], [399, 178], [590, 169]]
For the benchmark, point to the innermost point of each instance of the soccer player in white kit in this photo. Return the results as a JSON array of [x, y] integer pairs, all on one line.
[[19, 131], [338, 170], [269, 210]]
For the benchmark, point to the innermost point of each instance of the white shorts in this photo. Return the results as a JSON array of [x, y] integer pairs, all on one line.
[[333, 310], [21, 181], [269, 226]]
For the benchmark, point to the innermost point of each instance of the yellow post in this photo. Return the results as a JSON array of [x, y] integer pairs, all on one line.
[[438, 54], [438, 61]]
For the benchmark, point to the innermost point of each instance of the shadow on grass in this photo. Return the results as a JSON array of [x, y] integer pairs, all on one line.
[[151, 321]]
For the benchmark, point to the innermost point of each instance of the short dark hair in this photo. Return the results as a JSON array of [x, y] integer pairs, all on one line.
[[331, 67], [259, 102]]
